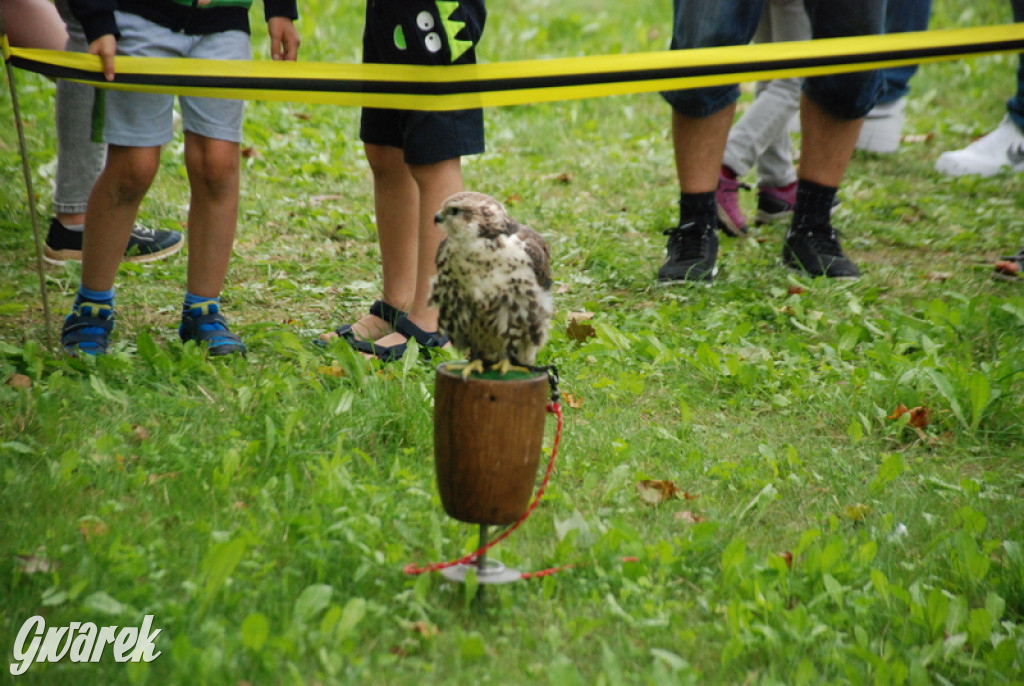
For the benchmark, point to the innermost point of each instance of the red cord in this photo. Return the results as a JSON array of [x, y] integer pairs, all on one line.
[[554, 407]]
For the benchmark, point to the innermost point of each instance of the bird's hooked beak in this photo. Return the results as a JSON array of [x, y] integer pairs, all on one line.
[[438, 218]]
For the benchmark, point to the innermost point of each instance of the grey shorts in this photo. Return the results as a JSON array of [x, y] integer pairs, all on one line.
[[146, 119]]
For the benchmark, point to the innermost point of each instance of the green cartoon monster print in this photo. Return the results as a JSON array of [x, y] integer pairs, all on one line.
[[434, 41]]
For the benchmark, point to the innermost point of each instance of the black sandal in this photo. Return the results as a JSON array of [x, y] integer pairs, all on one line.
[[392, 353], [380, 309]]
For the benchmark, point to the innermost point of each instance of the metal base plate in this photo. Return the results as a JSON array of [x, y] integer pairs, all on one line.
[[493, 573]]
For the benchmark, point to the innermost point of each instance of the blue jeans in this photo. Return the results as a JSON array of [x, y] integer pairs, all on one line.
[[902, 16], [717, 23]]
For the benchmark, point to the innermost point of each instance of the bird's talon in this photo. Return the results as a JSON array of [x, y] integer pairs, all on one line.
[[466, 369], [505, 366]]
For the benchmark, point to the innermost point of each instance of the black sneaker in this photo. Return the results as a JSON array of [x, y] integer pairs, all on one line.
[[692, 253], [775, 204], [145, 245], [815, 250]]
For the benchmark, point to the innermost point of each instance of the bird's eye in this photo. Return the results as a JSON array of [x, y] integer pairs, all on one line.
[[453, 210]]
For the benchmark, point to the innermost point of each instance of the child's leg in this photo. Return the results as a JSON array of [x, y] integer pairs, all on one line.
[[213, 134], [396, 203], [435, 182], [113, 209], [110, 217], [213, 173], [395, 199]]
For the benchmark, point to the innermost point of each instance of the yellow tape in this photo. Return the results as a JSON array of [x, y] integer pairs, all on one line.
[[520, 82]]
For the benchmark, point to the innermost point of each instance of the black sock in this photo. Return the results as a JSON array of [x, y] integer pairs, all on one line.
[[813, 204], [700, 208]]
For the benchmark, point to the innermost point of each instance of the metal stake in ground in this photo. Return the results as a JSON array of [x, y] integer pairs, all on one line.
[[487, 571], [27, 173]]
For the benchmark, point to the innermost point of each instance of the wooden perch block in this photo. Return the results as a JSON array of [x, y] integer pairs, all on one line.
[[487, 442]]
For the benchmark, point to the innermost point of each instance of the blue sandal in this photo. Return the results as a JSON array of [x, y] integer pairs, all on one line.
[[379, 309], [392, 353], [87, 329]]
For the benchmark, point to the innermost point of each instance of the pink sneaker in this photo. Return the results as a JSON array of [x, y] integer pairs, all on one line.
[[730, 216], [774, 203]]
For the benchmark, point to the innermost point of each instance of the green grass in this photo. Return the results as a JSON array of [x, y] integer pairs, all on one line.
[[263, 509]]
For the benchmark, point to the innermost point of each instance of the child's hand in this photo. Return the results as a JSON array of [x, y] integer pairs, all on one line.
[[284, 39], [106, 48]]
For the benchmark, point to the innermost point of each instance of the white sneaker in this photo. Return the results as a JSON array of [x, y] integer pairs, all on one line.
[[883, 127], [1000, 149]]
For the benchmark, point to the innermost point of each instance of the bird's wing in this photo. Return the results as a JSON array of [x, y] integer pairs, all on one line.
[[540, 255]]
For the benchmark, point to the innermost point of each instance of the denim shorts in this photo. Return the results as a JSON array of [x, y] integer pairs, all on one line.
[[717, 23], [414, 32], [136, 119]]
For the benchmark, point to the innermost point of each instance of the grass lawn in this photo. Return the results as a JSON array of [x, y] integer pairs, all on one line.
[[263, 509]]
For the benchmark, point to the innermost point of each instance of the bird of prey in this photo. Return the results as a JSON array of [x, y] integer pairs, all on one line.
[[493, 284]]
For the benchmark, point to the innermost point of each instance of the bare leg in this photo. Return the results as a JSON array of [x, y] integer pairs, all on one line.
[[827, 144], [435, 183], [113, 208], [34, 24], [396, 201], [699, 146], [213, 172]]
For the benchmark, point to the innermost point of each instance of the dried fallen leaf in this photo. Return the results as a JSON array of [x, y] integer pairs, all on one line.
[[687, 517], [580, 328], [919, 416], [249, 152], [19, 381], [572, 400], [900, 410], [141, 433], [655, 492], [513, 199], [796, 290], [563, 288], [940, 276], [564, 177], [787, 556]]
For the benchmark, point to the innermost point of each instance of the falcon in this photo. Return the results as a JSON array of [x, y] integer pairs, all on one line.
[[493, 284]]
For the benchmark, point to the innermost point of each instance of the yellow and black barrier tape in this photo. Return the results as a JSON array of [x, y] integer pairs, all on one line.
[[519, 82]]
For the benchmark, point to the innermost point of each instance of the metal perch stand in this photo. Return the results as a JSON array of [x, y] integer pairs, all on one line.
[[487, 443]]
